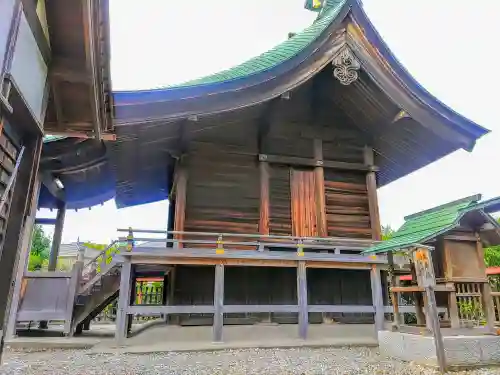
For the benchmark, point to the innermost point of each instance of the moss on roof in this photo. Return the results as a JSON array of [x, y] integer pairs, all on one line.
[[425, 225]]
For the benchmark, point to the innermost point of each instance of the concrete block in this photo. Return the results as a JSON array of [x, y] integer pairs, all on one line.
[[462, 350], [490, 349]]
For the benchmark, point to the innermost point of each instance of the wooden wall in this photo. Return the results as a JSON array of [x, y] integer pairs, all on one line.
[[347, 212], [273, 286], [225, 179], [223, 182]]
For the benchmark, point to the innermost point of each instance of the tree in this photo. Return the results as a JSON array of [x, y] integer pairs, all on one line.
[[387, 232], [40, 249], [492, 255]]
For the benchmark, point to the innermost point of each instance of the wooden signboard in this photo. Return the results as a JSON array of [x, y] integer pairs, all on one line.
[[424, 270]]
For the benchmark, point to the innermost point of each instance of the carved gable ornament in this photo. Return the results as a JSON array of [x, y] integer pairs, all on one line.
[[346, 66]]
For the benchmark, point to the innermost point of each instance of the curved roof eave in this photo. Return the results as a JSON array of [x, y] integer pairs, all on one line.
[[459, 122], [132, 107], [235, 82]]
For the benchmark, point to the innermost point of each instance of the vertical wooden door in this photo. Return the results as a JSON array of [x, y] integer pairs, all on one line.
[[304, 213]]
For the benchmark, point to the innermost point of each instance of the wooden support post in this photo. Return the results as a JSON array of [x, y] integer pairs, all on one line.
[[453, 310], [319, 178], [436, 329], [264, 198], [394, 296], [424, 272], [180, 203], [123, 302], [371, 186], [56, 239], [488, 306], [377, 299], [302, 299], [133, 293], [218, 303]]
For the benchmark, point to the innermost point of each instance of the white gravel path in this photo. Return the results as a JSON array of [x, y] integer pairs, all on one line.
[[236, 362]]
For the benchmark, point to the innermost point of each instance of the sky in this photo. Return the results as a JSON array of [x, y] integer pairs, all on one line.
[[446, 45]]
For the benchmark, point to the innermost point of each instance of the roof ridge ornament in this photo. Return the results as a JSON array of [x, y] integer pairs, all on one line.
[[346, 66]]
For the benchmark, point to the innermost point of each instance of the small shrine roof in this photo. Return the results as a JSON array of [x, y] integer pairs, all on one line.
[[425, 225]]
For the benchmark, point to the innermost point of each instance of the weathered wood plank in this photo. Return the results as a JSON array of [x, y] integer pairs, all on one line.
[[264, 198]]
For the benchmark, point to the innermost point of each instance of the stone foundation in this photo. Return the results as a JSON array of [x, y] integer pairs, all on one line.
[[461, 351]]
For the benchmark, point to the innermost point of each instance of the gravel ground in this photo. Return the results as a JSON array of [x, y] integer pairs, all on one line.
[[237, 362]]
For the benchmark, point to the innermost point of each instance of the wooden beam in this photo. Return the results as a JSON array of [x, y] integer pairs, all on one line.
[[57, 104], [409, 289], [68, 70], [371, 185], [306, 162], [45, 221], [91, 53], [319, 177], [264, 198]]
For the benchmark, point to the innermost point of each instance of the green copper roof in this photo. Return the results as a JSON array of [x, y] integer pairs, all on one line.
[[422, 226], [282, 52]]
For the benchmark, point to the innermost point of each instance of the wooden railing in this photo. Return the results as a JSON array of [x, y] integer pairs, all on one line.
[[238, 241]]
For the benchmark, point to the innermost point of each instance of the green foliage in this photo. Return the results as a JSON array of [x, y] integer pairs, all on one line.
[[110, 251], [40, 249], [40, 244], [492, 255], [387, 232]]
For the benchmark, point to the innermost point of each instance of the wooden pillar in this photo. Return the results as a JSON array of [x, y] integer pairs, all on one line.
[[56, 239], [264, 198], [319, 178], [17, 225], [22, 266], [377, 299], [180, 202], [453, 309], [371, 186], [393, 281], [123, 302], [302, 299], [488, 307], [218, 303]]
